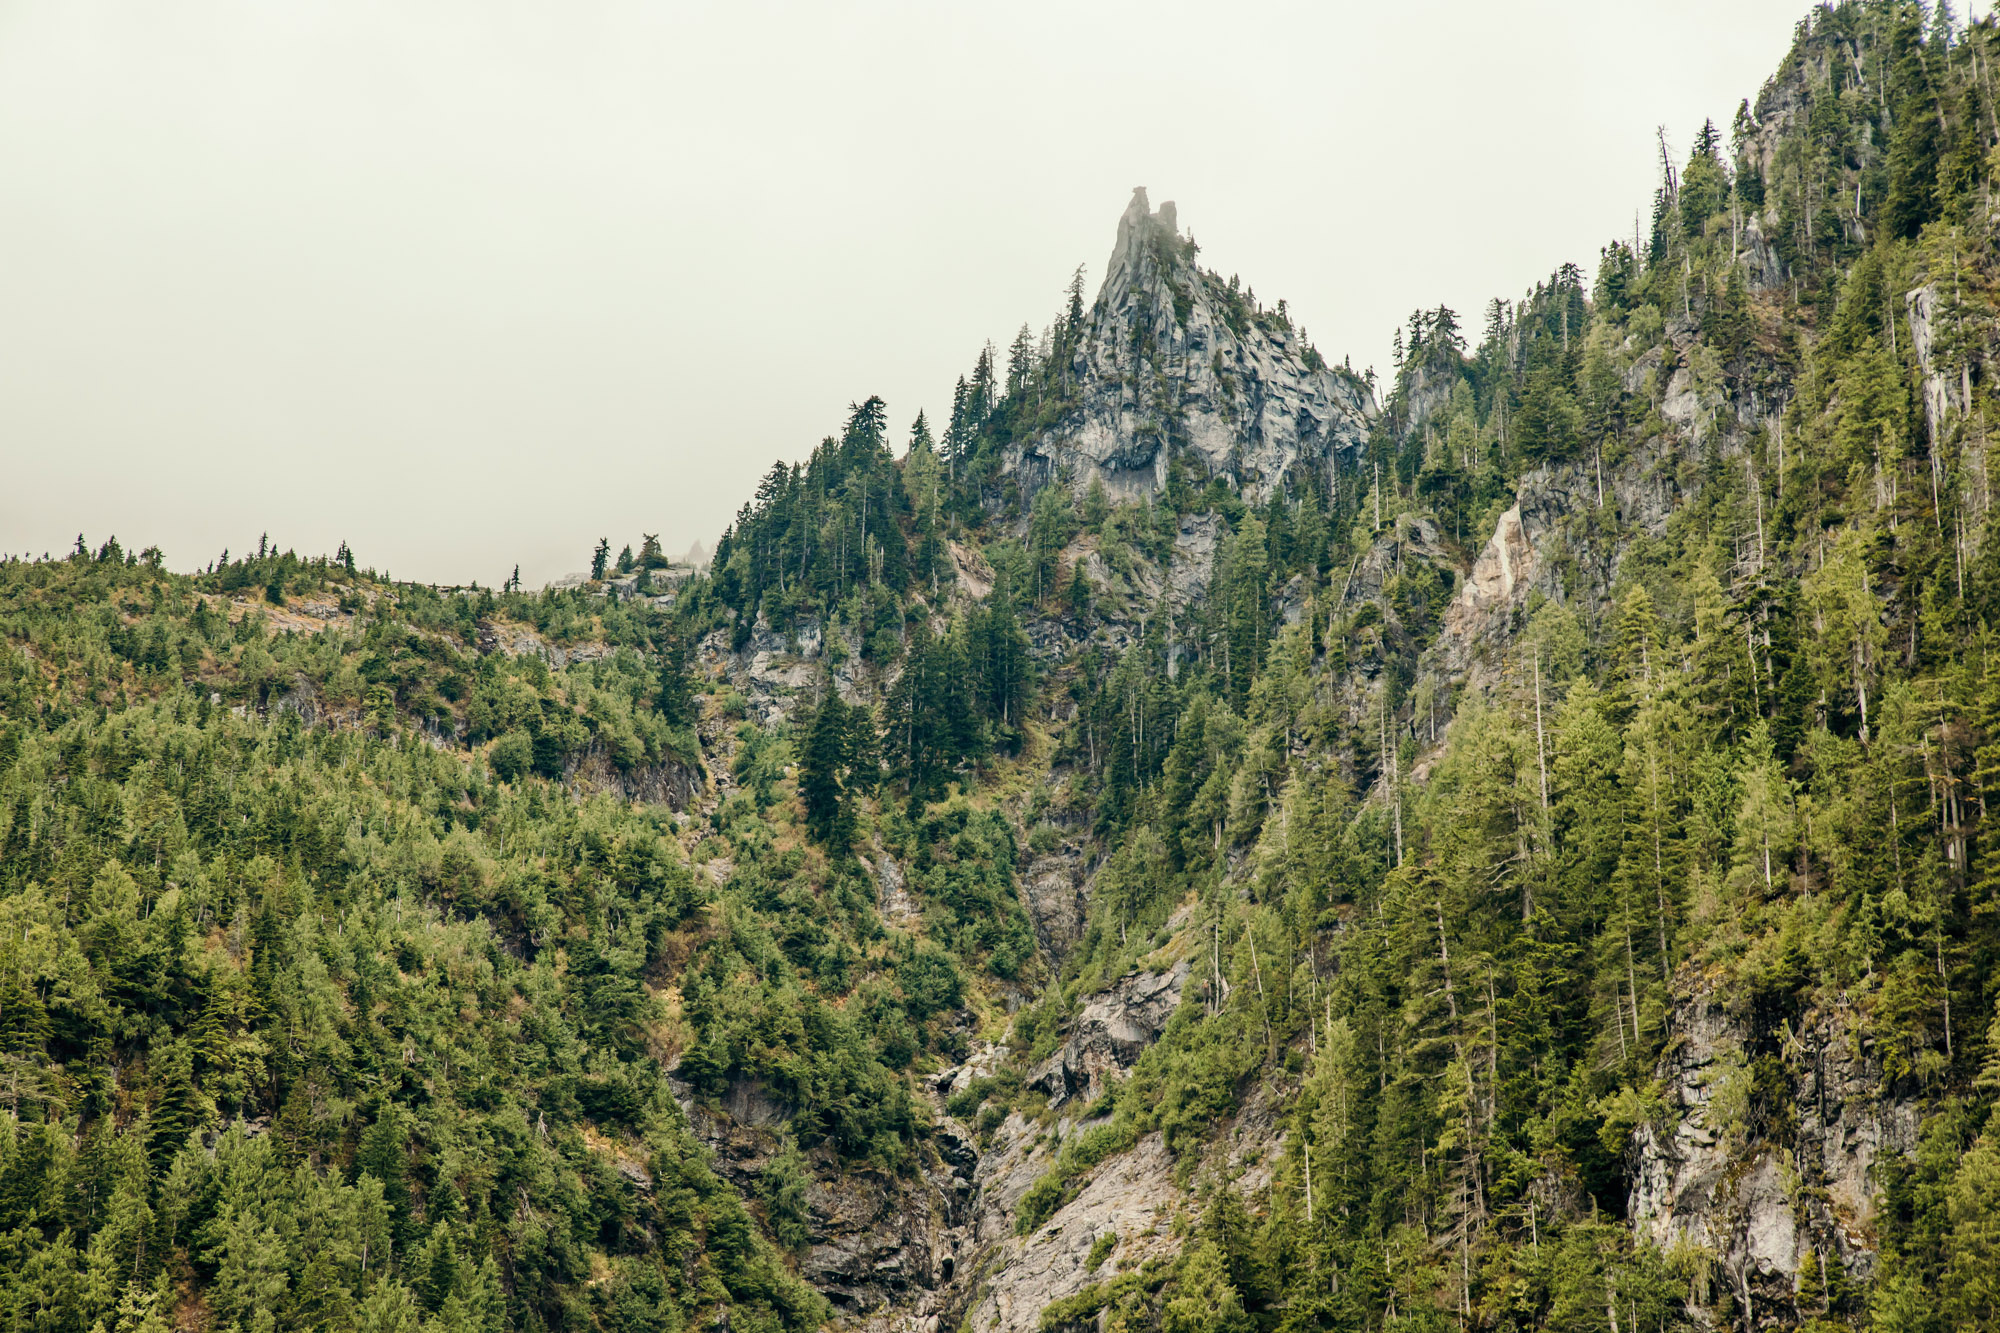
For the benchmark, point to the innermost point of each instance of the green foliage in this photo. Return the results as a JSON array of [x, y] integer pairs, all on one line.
[[1551, 424], [341, 1018], [819, 531], [836, 763], [1205, 1300], [675, 699], [783, 1182], [964, 866], [932, 722], [332, 996], [512, 756], [762, 758]]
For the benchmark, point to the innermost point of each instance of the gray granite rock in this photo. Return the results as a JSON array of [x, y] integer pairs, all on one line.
[[1760, 1206], [1053, 888], [1114, 1030], [1172, 359]]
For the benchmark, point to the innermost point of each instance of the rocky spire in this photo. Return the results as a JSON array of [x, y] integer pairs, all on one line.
[[1128, 250], [1172, 358]]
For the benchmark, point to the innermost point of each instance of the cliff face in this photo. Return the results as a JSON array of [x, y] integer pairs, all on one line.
[[1762, 1192], [1175, 359], [879, 1244]]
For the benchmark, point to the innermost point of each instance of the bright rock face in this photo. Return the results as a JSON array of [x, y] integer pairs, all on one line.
[[1174, 361], [1756, 1206]]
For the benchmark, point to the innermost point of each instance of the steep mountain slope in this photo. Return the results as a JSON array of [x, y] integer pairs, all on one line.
[[1187, 847], [1725, 498]]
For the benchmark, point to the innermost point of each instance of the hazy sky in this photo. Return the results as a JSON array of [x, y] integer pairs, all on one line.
[[473, 282]]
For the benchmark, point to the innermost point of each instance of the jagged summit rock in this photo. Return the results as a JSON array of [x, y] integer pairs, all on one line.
[[1138, 217], [1177, 362]]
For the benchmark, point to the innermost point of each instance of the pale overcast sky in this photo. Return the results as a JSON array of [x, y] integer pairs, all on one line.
[[473, 282]]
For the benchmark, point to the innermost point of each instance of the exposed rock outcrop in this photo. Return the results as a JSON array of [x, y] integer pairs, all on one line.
[[521, 641], [1053, 888], [1760, 1206], [1523, 557], [671, 782], [877, 1241], [981, 1275], [1131, 1198], [1175, 358], [775, 672], [898, 908], [1115, 1028]]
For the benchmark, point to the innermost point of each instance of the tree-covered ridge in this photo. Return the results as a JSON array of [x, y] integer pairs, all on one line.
[[330, 1003]]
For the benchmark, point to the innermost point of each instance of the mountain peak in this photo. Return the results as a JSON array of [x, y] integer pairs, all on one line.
[[1172, 359], [1133, 225]]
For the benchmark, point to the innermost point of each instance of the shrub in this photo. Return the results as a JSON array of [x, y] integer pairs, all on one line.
[[512, 755]]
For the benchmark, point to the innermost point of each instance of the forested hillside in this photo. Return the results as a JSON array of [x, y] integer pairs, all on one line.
[[1183, 844]]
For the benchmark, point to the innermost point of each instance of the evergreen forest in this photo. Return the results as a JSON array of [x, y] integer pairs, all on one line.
[[1557, 817]]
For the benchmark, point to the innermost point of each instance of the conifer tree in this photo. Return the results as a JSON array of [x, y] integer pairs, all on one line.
[[1766, 822], [833, 765], [675, 697]]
